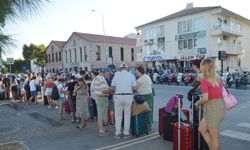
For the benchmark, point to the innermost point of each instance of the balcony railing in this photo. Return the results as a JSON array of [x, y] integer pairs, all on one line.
[[229, 48], [222, 29]]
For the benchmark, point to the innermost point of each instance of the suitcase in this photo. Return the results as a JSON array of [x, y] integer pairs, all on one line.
[[186, 112], [169, 121], [67, 106], [139, 124], [198, 142], [45, 100], [161, 121], [182, 132], [184, 136]]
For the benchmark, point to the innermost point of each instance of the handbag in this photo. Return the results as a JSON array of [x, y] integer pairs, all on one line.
[[139, 99], [229, 99]]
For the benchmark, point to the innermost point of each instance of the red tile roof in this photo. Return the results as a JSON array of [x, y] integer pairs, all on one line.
[[108, 39]]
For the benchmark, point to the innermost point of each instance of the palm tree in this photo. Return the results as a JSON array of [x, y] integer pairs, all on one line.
[[10, 10]]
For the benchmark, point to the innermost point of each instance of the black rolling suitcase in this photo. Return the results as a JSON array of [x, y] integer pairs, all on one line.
[[196, 113], [168, 129], [45, 100]]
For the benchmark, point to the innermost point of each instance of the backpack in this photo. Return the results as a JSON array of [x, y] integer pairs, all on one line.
[[171, 103], [55, 93]]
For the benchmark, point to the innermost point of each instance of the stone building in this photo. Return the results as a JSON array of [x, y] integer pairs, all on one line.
[[54, 62], [83, 51]]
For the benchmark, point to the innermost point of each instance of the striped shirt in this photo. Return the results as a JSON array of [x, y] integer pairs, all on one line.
[[100, 85]]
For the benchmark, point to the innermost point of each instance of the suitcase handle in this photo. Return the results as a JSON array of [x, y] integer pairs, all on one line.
[[179, 119]]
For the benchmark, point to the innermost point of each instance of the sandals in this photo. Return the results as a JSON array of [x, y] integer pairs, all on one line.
[[105, 133], [80, 127]]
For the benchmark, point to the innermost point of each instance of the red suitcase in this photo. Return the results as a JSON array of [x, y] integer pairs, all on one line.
[[185, 136], [182, 132], [67, 106], [161, 121], [186, 112]]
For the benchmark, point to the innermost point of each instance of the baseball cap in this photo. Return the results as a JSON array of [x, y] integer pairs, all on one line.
[[123, 65], [106, 69]]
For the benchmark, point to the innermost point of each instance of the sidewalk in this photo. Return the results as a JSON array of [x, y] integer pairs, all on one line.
[[39, 128]]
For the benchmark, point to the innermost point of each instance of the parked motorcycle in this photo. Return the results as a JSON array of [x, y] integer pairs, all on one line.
[[188, 78], [179, 78], [241, 81]]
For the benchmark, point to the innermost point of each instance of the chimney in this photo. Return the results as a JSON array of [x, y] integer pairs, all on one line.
[[190, 5]]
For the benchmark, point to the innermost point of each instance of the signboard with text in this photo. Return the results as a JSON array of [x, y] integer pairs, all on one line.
[[222, 55], [10, 61], [153, 58]]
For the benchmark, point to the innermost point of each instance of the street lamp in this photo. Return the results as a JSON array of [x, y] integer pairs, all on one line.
[[103, 28]]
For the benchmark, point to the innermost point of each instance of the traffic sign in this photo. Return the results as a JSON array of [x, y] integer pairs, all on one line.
[[10, 61], [222, 55]]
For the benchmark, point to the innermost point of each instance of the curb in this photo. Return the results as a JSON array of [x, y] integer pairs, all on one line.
[[20, 143]]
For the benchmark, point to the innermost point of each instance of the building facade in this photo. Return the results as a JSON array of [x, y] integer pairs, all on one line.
[[194, 33], [84, 51], [54, 61]]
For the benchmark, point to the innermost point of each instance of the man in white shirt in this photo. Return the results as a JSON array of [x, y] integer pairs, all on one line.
[[123, 85]]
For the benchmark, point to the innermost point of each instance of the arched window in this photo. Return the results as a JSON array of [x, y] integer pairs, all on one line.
[[98, 53], [122, 53], [132, 54], [66, 56], [80, 54]]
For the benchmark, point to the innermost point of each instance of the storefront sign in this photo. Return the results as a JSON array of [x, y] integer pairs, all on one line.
[[201, 50], [199, 34], [152, 58], [193, 57]]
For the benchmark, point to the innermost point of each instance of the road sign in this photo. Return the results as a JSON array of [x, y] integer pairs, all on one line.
[[10, 61], [222, 55]]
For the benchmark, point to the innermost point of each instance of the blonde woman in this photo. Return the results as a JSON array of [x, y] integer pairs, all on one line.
[[214, 107]]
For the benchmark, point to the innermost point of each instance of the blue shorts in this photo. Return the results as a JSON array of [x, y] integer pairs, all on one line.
[[62, 99], [33, 93]]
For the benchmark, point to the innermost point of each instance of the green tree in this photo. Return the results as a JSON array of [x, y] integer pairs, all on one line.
[[28, 51], [5, 68], [39, 54], [33, 51], [10, 10]]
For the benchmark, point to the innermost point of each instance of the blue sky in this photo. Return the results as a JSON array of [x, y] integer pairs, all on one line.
[[59, 18]]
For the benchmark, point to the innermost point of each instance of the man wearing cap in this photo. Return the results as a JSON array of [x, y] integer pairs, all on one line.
[[101, 91], [123, 85]]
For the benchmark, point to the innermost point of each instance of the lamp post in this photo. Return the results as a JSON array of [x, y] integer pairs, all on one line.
[[103, 28]]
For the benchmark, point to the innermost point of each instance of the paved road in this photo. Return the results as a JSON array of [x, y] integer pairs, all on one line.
[[38, 127]]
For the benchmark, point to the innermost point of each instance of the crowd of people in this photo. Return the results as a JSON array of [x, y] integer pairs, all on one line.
[[105, 95], [25, 88]]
